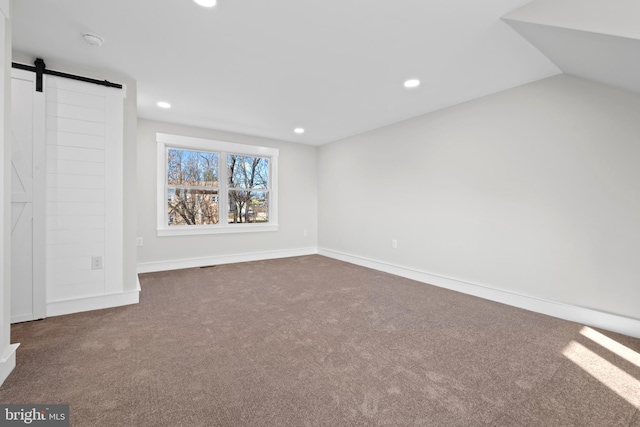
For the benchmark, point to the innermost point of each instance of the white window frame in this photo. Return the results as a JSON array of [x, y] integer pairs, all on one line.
[[167, 141]]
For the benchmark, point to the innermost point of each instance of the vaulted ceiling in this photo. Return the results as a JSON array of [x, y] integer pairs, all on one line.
[[594, 39], [333, 68]]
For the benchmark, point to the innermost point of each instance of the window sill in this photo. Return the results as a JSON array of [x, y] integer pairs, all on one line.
[[216, 229]]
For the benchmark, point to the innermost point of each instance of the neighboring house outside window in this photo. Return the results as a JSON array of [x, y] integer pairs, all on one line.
[[208, 187]]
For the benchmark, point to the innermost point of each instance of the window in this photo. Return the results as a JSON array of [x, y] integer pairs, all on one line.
[[207, 187], [192, 187], [248, 189]]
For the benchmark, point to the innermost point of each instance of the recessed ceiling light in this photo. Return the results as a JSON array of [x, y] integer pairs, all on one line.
[[206, 3], [411, 83], [298, 130], [163, 104]]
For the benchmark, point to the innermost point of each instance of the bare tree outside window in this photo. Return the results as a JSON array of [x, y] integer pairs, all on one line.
[[192, 187], [248, 189]]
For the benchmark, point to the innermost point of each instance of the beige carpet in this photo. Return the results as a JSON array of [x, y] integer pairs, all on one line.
[[312, 341]]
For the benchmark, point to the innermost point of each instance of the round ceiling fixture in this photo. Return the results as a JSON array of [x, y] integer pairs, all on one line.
[[163, 104], [206, 3], [412, 83], [93, 40], [299, 130]]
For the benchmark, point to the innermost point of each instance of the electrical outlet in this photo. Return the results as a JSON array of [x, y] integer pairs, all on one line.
[[394, 243], [96, 263], [139, 241], [305, 233]]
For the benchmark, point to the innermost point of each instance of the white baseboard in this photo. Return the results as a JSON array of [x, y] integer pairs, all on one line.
[[20, 319], [150, 267], [584, 316], [98, 302], [8, 362]]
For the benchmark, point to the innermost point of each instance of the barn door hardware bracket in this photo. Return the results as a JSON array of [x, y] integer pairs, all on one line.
[[40, 67]]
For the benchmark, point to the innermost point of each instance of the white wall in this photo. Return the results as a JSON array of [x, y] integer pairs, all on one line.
[[129, 279], [297, 210], [7, 351], [533, 191]]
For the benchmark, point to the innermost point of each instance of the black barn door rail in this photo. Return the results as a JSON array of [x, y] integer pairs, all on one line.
[[40, 68]]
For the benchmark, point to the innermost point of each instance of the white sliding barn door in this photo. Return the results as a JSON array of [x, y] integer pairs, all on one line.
[[67, 197], [28, 288], [84, 137]]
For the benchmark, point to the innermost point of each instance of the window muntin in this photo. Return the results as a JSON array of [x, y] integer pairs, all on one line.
[[207, 186]]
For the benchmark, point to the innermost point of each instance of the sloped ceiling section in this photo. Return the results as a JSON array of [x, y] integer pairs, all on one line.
[[264, 68], [594, 39]]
